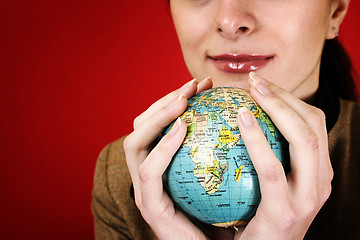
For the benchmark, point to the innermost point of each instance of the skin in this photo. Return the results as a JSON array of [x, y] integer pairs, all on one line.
[[293, 31]]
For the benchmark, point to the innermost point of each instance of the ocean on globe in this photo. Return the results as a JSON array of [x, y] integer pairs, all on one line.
[[211, 177]]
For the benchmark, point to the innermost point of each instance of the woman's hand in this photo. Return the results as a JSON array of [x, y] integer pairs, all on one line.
[[289, 202], [147, 162]]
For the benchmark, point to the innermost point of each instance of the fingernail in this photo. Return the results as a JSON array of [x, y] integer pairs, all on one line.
[[264, 90], [260, 84], [175, 127], [256, 78], [251, 75], [203, 81], [204, 84], [245, 117], [176, 100], [187, 84]]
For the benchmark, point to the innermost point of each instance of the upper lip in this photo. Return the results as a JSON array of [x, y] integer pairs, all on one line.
[[241, 57]]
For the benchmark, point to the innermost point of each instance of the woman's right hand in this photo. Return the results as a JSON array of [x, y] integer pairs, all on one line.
[[147, 162]]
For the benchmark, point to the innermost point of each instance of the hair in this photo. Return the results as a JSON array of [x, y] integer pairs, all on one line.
[[336, 68]]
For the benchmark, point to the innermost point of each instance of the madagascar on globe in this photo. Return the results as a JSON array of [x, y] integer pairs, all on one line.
[[211, 177]]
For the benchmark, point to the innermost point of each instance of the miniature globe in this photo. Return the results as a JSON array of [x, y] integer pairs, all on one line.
[[211, 177]]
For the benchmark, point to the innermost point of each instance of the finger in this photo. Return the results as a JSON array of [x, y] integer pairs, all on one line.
[[188, 90], [136, 165], [204, 85], [303, 142], [312, 116], [271, 174], [157, 208], [137, 144], [315, 119], [155, 164]]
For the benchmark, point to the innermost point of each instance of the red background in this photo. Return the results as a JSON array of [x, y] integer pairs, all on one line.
[[73, 76]]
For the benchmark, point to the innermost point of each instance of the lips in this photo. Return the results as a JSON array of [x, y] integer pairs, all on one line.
[[240, 63]]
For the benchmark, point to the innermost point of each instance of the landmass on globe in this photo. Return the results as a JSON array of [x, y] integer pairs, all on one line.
[[211, 177]]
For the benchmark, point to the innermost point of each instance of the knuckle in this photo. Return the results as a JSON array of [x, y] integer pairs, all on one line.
[[312, 140], [330, 171], [280, 106], [138, 202], [331, 174], [144, 173], [273, 173], [137, 121], [146, 212], [127, 144], [131, 144], [326, 191], [317, 116], [281, 91]]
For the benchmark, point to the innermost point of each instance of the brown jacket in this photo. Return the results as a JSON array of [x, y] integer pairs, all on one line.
[[116, 216]]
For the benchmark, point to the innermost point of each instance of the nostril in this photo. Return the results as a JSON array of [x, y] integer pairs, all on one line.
[[240, 29], [232, 31], [243, 29]]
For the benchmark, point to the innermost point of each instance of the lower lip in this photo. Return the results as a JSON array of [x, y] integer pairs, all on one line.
[[233, 66]]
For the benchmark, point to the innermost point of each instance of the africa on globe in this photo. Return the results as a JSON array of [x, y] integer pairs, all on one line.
[[211, 177]]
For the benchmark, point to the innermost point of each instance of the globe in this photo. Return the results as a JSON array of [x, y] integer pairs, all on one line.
[[211, 177]]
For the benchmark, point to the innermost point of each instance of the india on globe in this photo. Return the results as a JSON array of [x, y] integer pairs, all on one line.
[[211, 177]]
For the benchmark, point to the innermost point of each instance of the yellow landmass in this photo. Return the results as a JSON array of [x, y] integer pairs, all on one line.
[[222, 105], [230, 224], [205, 100], [258, 112], [194, 152], [211, 169], [226, 136], [199, 170], [187, 117], [191, 128], [238, 173]]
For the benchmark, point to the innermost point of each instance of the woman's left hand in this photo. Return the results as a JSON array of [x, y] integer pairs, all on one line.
[[289, 202]]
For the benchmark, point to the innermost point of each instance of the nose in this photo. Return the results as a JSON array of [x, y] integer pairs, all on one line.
[[234, 19]]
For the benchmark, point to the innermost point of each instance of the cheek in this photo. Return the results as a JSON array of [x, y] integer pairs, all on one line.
[[192, 34], [306, 27], [300, 42]]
